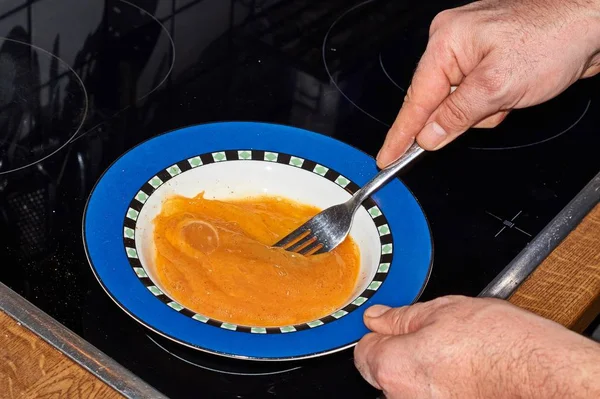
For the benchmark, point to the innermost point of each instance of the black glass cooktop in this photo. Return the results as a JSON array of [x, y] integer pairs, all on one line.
[[82, 82]]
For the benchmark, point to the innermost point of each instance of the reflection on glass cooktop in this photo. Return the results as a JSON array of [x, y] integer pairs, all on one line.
[[82, 82], [39, 113]]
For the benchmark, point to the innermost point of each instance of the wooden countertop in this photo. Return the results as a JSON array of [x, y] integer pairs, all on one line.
[[564, 288], [32, 368]]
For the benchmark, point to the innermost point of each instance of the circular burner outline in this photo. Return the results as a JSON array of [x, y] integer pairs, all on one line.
[[508, 147], [216, 370], [388, 75], [172, 48], [324, 56], [332, 80], [83, 114], [589, 103], [93, 128]]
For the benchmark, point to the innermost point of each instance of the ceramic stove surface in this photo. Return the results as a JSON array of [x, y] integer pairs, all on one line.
[[82, 82]]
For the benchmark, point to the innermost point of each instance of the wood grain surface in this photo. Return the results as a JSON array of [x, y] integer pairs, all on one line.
[[566, 286], [31, 368]]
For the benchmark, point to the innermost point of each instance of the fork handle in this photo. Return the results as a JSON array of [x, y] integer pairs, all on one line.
[[386, 174]]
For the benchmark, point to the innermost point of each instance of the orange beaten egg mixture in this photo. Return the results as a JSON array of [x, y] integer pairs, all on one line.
[[214, 258]]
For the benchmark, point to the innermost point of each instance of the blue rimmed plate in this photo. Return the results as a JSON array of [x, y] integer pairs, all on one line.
[[235, 159]]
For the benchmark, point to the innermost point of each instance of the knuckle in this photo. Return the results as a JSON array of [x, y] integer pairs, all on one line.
[[383, 372], [497, 119], [370, 359], [497, 305], [415, 323], [397, 318], [493, 82], [443, 304], [438, 45], [392, 365], [457, 113], [410, 93], [446, 300], [362, 347], [442, 19], [406, 320], [453, 306], [491, 121], [362, 354], [385, 377], [360, 365], [457, 298]]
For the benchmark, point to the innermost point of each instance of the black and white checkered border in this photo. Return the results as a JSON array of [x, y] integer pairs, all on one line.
[[136, 205]]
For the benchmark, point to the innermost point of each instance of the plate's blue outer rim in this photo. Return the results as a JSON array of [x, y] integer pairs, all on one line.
[[110, 198]]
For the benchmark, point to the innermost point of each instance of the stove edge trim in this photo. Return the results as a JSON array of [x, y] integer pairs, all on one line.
[[74, 347], [528, 260]]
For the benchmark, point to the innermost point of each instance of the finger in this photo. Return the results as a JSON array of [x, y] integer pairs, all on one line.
[[591, 71], [492, 121], [370, 356], [407, 319], [429, 86], [475, 99], [367, 356], [388, 362]]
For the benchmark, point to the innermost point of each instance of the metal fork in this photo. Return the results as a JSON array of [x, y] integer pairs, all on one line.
[[329, 228]]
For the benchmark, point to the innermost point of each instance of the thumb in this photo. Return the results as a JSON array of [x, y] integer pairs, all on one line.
[[479, 96], [407, 319]]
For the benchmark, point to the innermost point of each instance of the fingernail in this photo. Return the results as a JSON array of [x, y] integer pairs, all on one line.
[[376, 311], [432, 135], [381, 162]]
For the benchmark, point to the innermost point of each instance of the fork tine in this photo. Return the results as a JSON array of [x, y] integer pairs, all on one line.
[[311, 249], [302, 243], [293, 237]]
